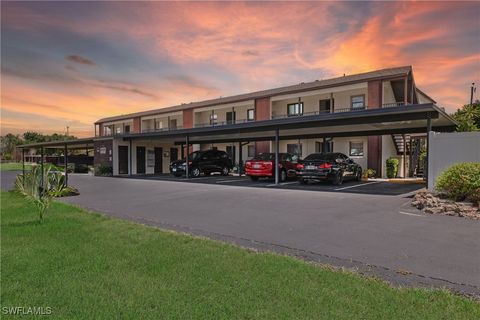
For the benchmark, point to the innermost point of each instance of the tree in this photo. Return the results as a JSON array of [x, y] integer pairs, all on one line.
[[9, 142], [468, 117]]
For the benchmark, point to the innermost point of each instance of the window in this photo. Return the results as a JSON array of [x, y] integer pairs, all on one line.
[[127, 128], [295, 149], [251, 115], [295, 109], [358, 101], [173, 124], [251, 151], [118, 130], [356, 149], [213, 118]]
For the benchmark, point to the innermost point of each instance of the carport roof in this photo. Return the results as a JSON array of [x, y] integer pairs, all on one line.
[[71, 144]]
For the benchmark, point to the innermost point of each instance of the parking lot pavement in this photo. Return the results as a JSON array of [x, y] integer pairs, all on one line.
[[363, 187]]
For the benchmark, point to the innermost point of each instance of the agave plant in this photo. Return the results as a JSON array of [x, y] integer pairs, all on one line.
[[30, 186]]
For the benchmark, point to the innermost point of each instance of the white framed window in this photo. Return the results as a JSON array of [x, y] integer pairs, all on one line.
[[357, 101], [295, 148], [356, 149], [251, 115], [213, 118], [295, 109]]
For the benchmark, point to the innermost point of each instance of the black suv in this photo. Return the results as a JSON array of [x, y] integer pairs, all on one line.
[[334, 167], [205, 162]]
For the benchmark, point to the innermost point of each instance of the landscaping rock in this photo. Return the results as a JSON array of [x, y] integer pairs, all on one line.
[[436, 204]]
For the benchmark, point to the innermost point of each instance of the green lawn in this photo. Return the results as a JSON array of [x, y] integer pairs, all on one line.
[[17, 166], [13, 166], [87, 266]]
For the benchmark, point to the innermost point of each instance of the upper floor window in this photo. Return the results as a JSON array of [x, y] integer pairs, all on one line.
[[118, 130], [251, 115], [213, 118], [127, 128], [295, 109], [358, 101]]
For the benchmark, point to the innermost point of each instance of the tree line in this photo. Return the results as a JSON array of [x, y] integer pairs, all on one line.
[[10, 141]]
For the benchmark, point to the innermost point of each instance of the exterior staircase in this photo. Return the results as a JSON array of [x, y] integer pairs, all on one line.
[[399, 143]]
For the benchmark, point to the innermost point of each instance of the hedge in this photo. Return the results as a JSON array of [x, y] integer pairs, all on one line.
[[461, 182]]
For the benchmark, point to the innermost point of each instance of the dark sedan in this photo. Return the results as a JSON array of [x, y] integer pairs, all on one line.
[[334, 167], [205, 162]]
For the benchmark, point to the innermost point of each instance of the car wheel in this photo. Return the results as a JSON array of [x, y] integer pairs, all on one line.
[[283, 176], [195, 172], [254, 178], [303, 181], [338, 179], [225, 171], [358, 177]]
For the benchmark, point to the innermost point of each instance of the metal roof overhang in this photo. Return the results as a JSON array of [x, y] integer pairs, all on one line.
[[404, 119], [71, 144]]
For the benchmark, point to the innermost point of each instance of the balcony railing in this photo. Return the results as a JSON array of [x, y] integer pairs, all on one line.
[[280, 116], [162, 129], [394, 104], [222, 123], [322, 112]]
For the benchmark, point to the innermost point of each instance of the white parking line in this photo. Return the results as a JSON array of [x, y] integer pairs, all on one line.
[[411, 214], [228, 181], [357, 185], [282, 184]]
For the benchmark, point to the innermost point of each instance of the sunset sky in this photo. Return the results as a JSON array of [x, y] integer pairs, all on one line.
[[71, 63]]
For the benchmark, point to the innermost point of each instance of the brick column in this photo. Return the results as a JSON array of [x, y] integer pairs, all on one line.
[[137, 125], [262, 112], [374, 153], [188, 118]]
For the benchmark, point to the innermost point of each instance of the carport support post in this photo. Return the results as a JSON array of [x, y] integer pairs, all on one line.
[[429, 128], [23, 166], [186, 157], [277, 146], [41, 163], [65, 160], [240, 165], [404, 157]]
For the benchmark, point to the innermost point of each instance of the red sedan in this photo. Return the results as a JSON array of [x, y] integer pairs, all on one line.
[[261, 166]]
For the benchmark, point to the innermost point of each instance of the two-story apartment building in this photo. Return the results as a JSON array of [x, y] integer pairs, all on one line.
[[369, 117]]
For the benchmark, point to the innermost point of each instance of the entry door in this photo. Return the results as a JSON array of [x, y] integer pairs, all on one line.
[[140, 160], [231, 152], [231, 117], [173, 154], [122, 159], [158, 161], [325, 106]]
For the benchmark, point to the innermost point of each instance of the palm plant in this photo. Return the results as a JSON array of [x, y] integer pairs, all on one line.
[[34, 186]]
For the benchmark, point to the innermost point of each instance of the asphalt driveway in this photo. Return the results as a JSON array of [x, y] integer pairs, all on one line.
[[376, 235]]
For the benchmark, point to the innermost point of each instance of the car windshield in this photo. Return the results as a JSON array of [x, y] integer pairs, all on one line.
[[322, 157], [265, 156]]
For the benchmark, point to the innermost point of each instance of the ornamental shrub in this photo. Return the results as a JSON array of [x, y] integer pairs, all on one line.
[[392, 167], [461, 182]]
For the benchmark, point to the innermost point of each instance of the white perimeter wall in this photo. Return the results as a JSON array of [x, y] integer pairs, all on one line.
[[446, 149]]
